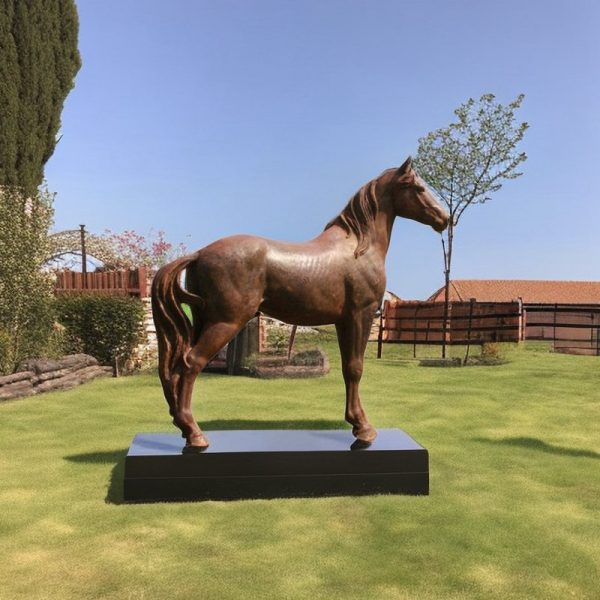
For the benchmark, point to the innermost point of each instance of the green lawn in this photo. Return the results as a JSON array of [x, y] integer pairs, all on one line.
[[513, 510]]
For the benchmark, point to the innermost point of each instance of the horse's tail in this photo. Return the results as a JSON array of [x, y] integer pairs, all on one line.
[[174, 330]]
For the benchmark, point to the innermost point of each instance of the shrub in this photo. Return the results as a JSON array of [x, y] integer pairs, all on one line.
[[491, 354], [250, 362], [26, 314], [107, 327], [5, 354], [491, 351], [309, 358], [58, 342], [278, 338]]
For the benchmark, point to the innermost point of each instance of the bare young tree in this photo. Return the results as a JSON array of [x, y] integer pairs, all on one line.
[[466, 162]]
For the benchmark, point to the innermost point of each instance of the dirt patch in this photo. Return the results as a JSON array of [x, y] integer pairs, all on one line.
[[440, 362]]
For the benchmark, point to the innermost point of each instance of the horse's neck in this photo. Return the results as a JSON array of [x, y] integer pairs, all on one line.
[[381, 234]]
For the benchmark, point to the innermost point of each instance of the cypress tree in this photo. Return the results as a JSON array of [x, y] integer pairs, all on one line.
[[38, 63]]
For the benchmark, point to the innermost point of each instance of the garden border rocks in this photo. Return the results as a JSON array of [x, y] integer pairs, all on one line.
[[303, 365], [43, 375]]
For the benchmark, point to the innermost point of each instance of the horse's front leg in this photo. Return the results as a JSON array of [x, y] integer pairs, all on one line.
[[353, 334]]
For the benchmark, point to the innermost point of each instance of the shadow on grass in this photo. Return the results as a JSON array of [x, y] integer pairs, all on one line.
[[116, 457], [535, 444]]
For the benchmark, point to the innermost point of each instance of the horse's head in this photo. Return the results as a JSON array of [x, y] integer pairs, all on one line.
[[412, 199]]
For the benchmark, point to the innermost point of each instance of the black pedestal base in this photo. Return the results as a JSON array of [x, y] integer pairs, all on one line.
[[273, 464]]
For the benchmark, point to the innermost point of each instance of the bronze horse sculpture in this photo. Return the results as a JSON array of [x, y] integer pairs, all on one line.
[[338, 277]]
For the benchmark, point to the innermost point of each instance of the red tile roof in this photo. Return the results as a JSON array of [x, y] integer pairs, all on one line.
[[531, 291]]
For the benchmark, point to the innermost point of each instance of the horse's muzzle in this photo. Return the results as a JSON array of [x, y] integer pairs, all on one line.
[[439, 227], [441, 222]]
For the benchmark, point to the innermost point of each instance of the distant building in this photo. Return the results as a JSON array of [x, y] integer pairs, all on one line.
[[530, 291], [391, 297]]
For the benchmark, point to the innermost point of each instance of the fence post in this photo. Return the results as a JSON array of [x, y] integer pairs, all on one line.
[[415, 333], [554, 327], [83, 256], [447, 328], [261, 333], [380, 334], [469, 327], [521, 320], [143, 281], [232, 355]]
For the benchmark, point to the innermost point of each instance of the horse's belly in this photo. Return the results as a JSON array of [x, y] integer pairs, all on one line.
[[303, 304], [289, 315]]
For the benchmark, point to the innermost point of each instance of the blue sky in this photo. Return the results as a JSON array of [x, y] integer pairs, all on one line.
[[210, 118]]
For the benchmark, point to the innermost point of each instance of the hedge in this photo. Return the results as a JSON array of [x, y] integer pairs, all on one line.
[[106, 327]]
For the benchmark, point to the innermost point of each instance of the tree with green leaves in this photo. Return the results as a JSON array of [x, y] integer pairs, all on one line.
[[466, 162], [38, 63]]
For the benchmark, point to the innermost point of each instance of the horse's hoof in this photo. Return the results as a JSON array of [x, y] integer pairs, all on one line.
[[196, 445], [365, 435], [359, 445]]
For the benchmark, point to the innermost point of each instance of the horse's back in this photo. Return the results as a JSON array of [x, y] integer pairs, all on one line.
[[312, 282], [229, 275]]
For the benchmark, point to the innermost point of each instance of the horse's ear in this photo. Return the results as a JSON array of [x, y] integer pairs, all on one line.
[[406, 166]]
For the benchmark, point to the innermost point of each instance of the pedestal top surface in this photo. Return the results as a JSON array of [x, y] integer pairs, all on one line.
[[271, 440]]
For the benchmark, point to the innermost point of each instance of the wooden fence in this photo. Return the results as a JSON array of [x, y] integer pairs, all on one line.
[[132, 282], [574, 329], [468, 323]]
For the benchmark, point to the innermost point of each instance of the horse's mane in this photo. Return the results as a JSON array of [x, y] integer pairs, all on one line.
[[358, 216]]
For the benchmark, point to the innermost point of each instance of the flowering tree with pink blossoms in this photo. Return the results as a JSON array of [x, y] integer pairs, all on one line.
[[132, 249]]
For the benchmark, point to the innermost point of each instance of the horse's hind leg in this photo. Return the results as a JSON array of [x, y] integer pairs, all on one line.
[[353, 334], [211, 339]]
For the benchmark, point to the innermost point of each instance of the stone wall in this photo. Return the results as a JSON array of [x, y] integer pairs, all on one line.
[[145, 355], [43, 375]]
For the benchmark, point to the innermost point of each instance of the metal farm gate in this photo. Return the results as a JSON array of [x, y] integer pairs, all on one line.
[[468, 323], [573, 328]]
